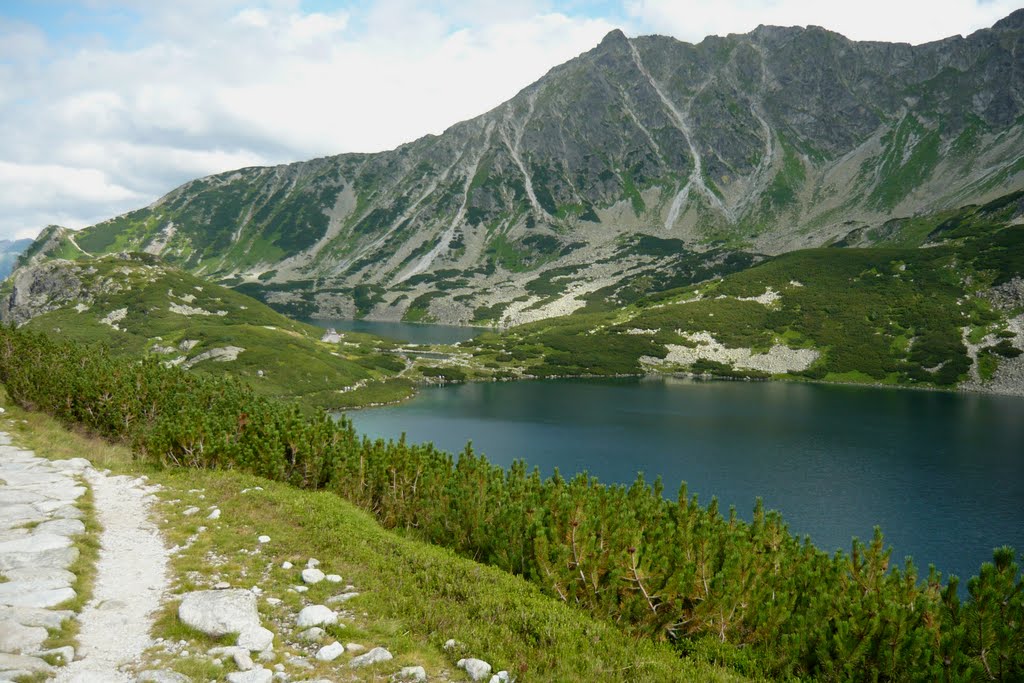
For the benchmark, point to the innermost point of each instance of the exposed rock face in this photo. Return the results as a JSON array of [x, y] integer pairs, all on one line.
[[776, 139], [46, 287]]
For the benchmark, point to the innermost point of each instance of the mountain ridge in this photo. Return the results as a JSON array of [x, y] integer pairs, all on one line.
[[768, 141]]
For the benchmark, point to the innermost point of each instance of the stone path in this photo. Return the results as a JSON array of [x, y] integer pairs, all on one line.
[[38, 520]]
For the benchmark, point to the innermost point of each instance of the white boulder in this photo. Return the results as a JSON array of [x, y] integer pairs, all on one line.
[[329, 653], [220, 612], [316, 615], [477, 669], [374, 656], [312, 575]]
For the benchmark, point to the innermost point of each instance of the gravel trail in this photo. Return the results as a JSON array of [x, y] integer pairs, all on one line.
[[132, 577]]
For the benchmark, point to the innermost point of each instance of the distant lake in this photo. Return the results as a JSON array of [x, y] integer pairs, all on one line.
[[941, 473], [409, 332]]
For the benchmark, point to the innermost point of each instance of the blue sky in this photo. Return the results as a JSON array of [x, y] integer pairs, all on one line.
[[106, 105]]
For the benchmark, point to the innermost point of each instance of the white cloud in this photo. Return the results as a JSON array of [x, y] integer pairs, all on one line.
[[210, 86], [908, 21]]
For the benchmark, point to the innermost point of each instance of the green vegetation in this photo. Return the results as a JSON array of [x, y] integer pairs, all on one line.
[[749, 595], [413, 596], [176, 317], [911, 153], [879, 315]]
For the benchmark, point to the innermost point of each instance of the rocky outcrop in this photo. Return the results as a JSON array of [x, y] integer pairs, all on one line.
[[39, 289]]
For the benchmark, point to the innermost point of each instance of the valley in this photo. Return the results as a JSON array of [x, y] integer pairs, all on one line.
[[612, 380]]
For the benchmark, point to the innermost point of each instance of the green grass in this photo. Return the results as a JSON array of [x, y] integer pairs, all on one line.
[[413, 596], [282, 357], [876, 315]]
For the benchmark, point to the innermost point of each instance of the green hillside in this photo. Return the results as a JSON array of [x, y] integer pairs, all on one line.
[[909, 315], [140, 307]]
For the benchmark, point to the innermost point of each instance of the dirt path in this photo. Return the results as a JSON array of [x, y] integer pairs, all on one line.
[[131, 579]]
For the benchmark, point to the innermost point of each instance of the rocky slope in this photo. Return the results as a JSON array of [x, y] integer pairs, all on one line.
[[768, 141], [939, 304]]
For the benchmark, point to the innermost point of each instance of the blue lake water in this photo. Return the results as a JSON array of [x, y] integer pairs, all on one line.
[[941, 473]]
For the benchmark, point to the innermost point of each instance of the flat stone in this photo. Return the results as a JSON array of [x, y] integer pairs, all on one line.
[[16, 638], [218, 613], [23, 663], [71, 464], [355, 648], [54, 578], [316, 615], [162, 676], [26, 594], [253, 676], [333, 578], [29, 616], [67, 512], [19, 514], [62, 527], [36, 543], [344, 597], [329, 653], [55, 558], [9, 496], [374, 656], [412, 673]]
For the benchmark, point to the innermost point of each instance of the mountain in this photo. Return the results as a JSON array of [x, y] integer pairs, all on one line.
[[756, 143], [939, 304], [139, 307]]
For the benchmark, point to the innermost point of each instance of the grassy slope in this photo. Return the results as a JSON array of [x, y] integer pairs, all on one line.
[[413, 596], [881, 315], [293, 361]]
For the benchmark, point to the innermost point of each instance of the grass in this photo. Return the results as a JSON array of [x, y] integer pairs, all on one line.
[[875, 315], [281, 357], [413, 596]]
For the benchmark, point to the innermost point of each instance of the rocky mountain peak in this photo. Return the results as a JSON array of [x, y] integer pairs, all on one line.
[[763, 142], [614, 36], [1015, 21]]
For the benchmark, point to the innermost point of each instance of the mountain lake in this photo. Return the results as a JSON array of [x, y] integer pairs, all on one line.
[[941, 473]]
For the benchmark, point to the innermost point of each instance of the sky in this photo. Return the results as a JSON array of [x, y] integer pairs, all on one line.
[[106, 105]]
